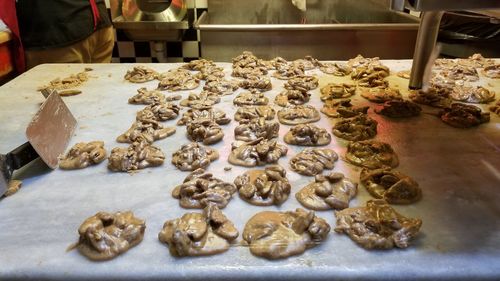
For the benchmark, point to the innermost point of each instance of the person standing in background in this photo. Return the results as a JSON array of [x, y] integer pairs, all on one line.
[[59, 31]]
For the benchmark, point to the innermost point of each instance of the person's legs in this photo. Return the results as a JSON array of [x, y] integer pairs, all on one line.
[[102, 43], [75, 53], [97, 48]]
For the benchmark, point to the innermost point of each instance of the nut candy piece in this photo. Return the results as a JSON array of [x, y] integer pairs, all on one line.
[[278, 235], [375, 80], [308, 135], [204, 130], [392, 186], [435, 96], [360, 61], [256, 153], [252, 129], [371, 154], [138, 155], [140, 74], [249, 71], [147, 130], [199, 234], [264, 187], [357, 128], [404, 74], [475, 61], [292, 97], [210, 73], [261, 83], [193, 156], [246, 59], [342, 108], [254, 112], [308, 62], [199, 189], [476, 94], [337, 91], [464, 116], [302, 83], [312, 161], [177, 80], [492, 71], [330, 191], [399, 109], [216, 115], [377, 226], [202, 100], [496, 108], [461, 72], [335, 68], [381, 95], [373, 70], [288, 70], [198, 64], [298, 114], [221, 86], [106, 235], [82, 155], [147, 97], [252, 97], [159, 112]]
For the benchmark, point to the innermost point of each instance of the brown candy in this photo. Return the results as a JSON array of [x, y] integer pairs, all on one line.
[[82, 155], [308, 135], [357, 128], [199, 234], [392, 186], [138, 155], [256, 153], [330, 191], [399, 109], [371, 154], [337, 91], [145, 130], [140, 74], [147, 97], [199, 189], [312, 161], [193, 156], [106, 235], [264, 187], [252, 97], [252, 129], [278, 235], [177, 80], [205, 131], [464, 116], [298, 114], [377, 226]]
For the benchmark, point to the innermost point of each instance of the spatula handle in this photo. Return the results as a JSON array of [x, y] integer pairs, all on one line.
[[14, 160], [22, 155]]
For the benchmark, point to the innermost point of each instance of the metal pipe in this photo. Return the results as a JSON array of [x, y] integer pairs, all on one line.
[[426, 39]]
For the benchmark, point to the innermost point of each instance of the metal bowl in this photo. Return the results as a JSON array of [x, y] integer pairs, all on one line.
[[154, 10]]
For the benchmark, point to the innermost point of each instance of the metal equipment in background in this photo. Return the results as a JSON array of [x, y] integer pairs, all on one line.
[[429, 27], [327, 29], [151, 20]]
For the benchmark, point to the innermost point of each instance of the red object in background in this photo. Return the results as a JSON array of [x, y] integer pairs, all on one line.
[[5, 59], [9, 17]]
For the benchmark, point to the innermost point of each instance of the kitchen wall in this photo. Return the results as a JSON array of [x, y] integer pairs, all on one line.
[[187, 49]]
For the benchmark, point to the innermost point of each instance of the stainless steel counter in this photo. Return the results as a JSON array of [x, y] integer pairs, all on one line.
[[458, 171]]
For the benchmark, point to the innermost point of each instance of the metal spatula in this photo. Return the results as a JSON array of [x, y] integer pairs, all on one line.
[[48, 134]]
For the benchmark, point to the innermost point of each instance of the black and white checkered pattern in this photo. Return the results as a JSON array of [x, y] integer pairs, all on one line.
[[128, 51]]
